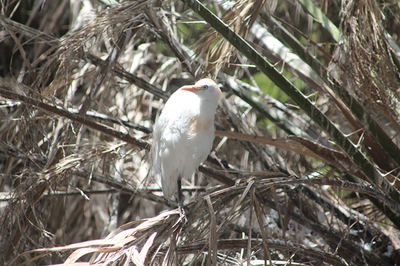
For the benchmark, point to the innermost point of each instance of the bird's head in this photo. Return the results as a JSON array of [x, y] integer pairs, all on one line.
[[206, 89]]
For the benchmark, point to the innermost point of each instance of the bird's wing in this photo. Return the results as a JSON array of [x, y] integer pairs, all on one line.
[[167, 154], [166, 136]]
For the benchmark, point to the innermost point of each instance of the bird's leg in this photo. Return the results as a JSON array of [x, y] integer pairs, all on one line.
[[180, 199], [180, 196]]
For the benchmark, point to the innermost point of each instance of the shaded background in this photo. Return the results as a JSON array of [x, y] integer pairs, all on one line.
[[81, 83]]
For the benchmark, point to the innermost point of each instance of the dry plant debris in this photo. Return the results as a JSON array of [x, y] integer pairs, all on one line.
[[81, 83]]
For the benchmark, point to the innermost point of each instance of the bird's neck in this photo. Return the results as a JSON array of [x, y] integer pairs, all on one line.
[[207, 109]]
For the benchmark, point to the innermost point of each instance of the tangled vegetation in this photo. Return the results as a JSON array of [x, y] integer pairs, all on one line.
[[306, 160]]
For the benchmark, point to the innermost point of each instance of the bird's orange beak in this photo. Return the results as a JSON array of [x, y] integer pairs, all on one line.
[[192, 88]]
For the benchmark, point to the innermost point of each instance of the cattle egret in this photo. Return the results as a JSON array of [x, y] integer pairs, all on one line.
[[183, 135]]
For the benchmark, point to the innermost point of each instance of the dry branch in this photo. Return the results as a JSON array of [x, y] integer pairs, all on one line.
[[82, 83]]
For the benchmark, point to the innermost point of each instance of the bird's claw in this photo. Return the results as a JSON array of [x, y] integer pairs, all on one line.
[[182, 213]]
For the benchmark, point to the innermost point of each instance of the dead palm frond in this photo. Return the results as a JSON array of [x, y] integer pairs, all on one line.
[[308, 179]]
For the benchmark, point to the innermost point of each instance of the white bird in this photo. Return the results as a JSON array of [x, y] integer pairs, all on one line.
[[183, 134]]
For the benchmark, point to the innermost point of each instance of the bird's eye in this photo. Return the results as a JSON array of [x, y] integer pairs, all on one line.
[[205, 87]]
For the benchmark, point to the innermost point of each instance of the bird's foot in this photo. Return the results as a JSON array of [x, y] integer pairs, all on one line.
[[182, 212]]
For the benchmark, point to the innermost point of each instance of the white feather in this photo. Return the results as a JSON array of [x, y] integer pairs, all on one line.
[[183, 134]]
